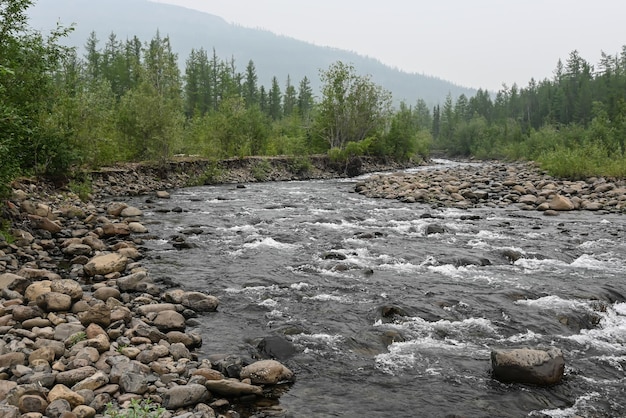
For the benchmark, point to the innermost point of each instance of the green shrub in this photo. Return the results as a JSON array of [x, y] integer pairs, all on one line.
[[261, 170], [137, 409], [300, 165], [211, 175]]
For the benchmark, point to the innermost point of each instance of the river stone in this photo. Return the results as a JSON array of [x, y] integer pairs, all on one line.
[[182, 396], [63, 331], [112, 229], [12, 359], [54, 302], [39, 274], [266, 372], [538, 367], [84, 411], [155, 307], [199, 302], [105, 264], [99, 313], [23, 313], [232, 387], [92, 382], [77, 249], [44, 353], [208, 374], [36, 289], [132, 282], [9, 411], [131, 212], [5, 387], [68, 287], [61, 391], [561, 203], [137, 228], [95, 243], [116, 208], [32, 403], [169, 321], [71, 377], [57, 408], [42, 222], [276, 347], [133, 383], [12, 281], [106, 292]]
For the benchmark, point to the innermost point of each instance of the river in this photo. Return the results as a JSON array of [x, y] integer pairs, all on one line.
[[393, 308]]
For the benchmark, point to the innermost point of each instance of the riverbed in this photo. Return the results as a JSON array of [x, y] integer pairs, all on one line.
[[393, 308]]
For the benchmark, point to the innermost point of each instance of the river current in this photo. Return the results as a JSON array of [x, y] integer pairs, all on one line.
[[393, 308]]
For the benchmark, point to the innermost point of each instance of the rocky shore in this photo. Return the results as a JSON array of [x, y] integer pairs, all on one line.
[[86, 331], [496, 184]]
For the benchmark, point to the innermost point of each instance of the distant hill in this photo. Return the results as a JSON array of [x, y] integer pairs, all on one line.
[[273, 55]]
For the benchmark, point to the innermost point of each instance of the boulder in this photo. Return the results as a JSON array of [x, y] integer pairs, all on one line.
[[105, 264], [200, 302], [54, 302], [232, 387], [525, 365], [182, 396], [169, 321], [561, 203], [61, 391], [267, 372], [131, 212], [68, 287]]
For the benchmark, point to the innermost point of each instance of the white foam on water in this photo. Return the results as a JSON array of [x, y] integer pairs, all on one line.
[[596, 244], [610, 334], [270, 243], [325, 297], [319, 343], [537, 264], [525, 337], [270, 303], [299, 286], [579, 405], [591, 262], [556, 303], [253, 289], [443, 330]]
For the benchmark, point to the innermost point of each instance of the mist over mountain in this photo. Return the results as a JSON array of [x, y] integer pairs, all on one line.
[[273, 55]]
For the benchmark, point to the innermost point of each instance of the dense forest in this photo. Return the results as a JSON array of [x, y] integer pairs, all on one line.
[[128, 100]]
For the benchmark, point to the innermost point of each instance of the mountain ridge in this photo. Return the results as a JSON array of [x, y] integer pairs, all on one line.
[[273, 54]]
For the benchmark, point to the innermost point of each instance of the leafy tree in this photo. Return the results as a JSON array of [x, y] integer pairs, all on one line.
[[352, 106], [27, 62]]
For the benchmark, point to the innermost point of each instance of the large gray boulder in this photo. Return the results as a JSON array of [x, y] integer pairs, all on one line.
[[525, 365]]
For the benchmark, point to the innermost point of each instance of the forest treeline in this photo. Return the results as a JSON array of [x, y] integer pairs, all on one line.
[[128, 100]]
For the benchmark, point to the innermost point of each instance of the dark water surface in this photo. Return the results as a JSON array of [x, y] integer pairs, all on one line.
[[318, 264]]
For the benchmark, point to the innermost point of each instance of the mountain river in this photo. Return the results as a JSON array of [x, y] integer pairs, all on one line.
[[393, 308]]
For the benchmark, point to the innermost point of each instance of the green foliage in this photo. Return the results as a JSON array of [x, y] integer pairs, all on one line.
[[261, 170], [138, 409], [5, 232], [352, 106], [211, 175], [77, 337], [300, 165], [81, 186]]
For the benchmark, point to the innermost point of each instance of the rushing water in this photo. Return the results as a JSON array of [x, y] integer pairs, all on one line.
[[328, 268]]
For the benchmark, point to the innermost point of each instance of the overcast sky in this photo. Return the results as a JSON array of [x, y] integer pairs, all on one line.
[[474, 43]]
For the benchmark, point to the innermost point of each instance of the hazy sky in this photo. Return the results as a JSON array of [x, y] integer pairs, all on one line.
[[474, 43]]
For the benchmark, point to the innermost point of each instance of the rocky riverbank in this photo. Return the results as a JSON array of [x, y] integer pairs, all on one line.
[[496, 184], [86, 331]]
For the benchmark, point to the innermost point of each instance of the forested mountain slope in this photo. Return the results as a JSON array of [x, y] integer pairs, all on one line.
[[273, 55]]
